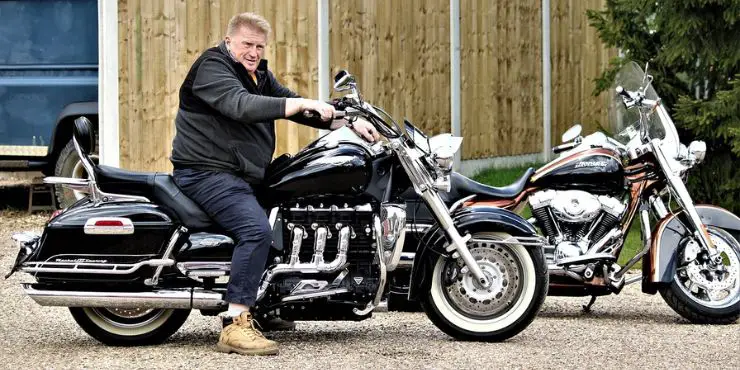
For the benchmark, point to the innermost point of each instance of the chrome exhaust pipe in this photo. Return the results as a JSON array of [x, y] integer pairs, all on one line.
[[169, 298], [317, 264]]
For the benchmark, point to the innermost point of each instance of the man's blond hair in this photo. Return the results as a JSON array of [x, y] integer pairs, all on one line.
[[251, 20]]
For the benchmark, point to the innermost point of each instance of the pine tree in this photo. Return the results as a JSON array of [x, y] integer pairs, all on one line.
[[693, 50]]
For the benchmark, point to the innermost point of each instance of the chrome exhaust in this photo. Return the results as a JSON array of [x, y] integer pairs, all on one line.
[[317, 264], [167, 298]]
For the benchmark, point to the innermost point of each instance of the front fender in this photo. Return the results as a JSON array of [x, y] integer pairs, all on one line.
[[660, 262], [466, 220]]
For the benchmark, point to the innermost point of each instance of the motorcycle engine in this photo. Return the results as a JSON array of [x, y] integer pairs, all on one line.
[[355, 282], [573, 220]]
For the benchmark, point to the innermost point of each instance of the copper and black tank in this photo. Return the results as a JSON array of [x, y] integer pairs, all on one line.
[[595, 170]]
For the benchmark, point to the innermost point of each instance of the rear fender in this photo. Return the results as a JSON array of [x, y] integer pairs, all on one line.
[[467, 221], [659, 264]]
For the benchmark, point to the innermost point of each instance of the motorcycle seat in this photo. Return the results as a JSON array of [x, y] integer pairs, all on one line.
[[159, 188], [463, 186]]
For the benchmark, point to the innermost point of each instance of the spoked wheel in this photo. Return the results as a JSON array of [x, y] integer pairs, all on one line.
[[705, 291], [129, 326], [462, 308]]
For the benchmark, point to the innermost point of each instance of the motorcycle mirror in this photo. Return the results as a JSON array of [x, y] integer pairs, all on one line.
[[343, 81], [572, 133]]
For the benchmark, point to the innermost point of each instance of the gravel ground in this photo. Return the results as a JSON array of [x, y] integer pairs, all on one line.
[[631, 330]]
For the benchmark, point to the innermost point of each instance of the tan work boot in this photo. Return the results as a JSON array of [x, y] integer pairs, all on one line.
[[242, 337]]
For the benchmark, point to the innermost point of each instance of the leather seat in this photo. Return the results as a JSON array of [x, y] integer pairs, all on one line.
[[463, 186], [160, 188]]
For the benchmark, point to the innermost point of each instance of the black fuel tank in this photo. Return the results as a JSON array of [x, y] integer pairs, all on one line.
[[595, 170], [341, 169]]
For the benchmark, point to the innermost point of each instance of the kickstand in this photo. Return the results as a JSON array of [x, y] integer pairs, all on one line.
[[587, 308]]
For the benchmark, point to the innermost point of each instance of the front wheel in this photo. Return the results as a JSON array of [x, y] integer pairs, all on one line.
[[705, 292], [463, 309], [129, 327]]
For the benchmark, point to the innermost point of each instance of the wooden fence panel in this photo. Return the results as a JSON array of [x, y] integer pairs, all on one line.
[[399, 52], [501, 57], [578, 57]]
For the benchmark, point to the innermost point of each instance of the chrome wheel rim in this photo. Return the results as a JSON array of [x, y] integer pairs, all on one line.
[[713, 286], [134, 318], [500, 265]]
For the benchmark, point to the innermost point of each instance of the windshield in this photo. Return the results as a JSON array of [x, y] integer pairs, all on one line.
[[625, 123], [420, 140]]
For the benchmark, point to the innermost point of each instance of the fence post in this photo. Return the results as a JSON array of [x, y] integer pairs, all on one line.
[[108, 82], [455, 75], [546, 86], [323, 45]]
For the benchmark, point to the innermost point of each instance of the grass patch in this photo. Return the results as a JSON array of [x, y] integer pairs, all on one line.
[[506, 176]]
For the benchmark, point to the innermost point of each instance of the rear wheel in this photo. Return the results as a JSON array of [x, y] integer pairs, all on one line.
[[129, 327], [704, 292], [463, 309]]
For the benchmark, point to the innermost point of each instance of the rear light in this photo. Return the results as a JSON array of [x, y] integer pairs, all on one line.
[[109, 223], [109, 226]]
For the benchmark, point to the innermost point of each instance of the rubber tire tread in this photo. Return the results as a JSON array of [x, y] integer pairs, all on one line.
[[156, 336], [688, 309]]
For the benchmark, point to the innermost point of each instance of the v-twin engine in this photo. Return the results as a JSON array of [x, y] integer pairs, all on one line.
[[575, 221]]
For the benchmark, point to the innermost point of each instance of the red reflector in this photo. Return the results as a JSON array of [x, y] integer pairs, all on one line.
[[109, 223]]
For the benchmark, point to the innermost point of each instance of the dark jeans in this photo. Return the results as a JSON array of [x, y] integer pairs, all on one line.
[[230, 201]]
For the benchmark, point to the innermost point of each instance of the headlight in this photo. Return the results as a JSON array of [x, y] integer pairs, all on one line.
[[443, 148], [444, 157], [698, 150]]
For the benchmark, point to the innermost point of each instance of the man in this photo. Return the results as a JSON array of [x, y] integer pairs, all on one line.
[[225, 138]]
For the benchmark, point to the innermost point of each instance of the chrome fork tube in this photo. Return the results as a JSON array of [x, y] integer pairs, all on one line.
[[684, 200], [423, 186], [459, 243]]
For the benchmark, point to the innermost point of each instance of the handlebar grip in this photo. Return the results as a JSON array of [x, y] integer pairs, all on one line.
[[621, 91]]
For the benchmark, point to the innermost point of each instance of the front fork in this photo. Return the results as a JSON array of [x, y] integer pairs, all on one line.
[[683, 198], [459, 243], [424, 187]]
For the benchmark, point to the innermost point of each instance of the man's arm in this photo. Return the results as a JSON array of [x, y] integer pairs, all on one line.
[[281, 91], [217, 85]]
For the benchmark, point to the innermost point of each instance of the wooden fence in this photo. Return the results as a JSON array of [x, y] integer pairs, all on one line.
[[399, 51]]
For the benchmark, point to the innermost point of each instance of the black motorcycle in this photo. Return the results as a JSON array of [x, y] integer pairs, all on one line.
[[134, 257], [584, 202]]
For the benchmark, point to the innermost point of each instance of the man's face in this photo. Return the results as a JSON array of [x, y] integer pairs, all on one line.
[[248, 46]]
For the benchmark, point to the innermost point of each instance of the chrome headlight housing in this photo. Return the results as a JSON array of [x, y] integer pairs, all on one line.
[[443, 158], [698, 150], [443, 148]]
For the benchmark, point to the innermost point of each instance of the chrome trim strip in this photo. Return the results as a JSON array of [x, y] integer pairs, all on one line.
[[460, 202], [315, 294], [103, 268], [173, 298], [417, 228], [521, 240]]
